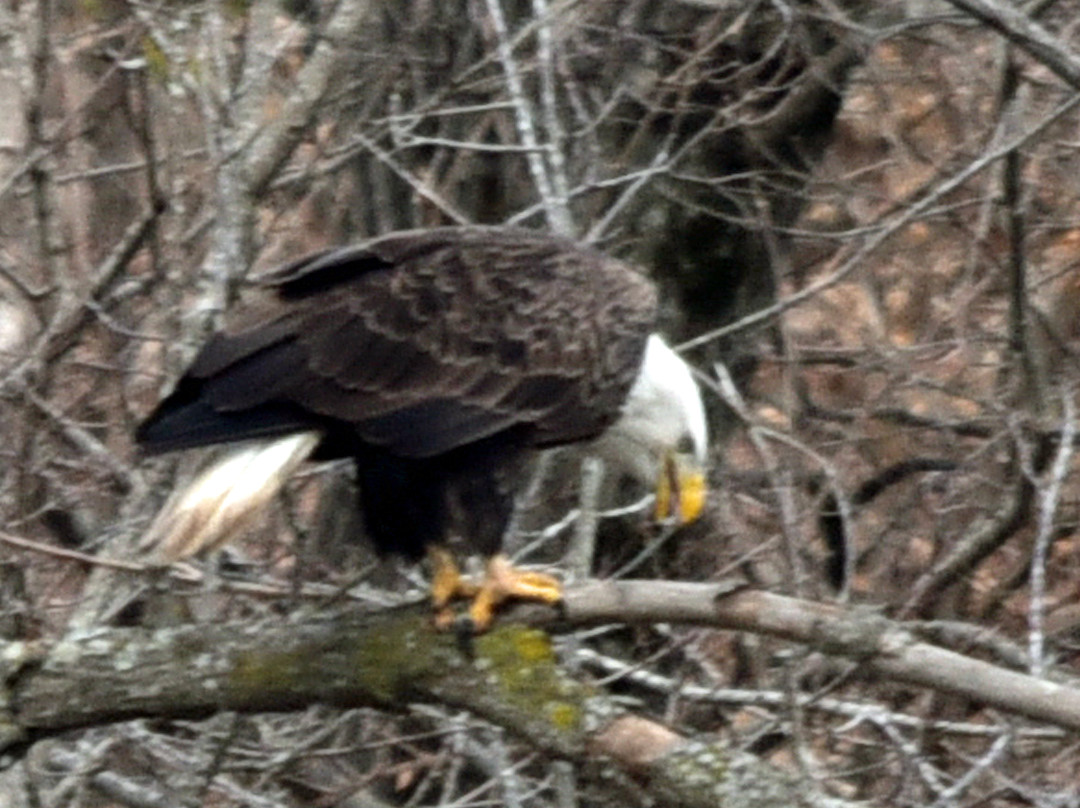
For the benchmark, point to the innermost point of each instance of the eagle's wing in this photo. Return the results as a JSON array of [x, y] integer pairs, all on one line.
[[421, 342]]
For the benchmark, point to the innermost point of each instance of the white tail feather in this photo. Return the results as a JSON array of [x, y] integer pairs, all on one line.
[[224, 498]]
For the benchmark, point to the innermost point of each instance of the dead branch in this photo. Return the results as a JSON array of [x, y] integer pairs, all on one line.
[[388, 660], [883, 648], [392, 658]]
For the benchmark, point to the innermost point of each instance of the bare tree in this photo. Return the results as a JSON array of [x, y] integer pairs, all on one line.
[[863, 219]]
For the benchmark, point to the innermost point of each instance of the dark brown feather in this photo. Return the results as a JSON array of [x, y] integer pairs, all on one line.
[[426, 341]]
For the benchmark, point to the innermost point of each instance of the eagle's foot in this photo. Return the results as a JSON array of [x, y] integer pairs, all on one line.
[[447, 585], [502, 582]]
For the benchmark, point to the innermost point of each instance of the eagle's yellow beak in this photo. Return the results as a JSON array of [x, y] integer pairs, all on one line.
[[681, 489]]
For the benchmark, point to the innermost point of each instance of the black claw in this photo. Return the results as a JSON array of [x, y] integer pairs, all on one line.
[[560, 607], [465, 633]]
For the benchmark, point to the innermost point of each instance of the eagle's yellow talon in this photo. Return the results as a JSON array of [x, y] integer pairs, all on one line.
[[535, 586], [447, 582], [503, 582], [482, 610], [444, 619]]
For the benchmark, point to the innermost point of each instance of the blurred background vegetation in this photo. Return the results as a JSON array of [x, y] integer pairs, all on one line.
[[865, 221]]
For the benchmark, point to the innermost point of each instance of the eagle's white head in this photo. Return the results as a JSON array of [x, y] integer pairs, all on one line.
[[661, 438]]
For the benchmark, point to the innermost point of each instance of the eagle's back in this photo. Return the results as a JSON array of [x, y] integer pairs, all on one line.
[[421, 343]]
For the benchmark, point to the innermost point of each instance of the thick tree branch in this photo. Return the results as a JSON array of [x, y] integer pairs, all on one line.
[[99, 676], [384, 660]]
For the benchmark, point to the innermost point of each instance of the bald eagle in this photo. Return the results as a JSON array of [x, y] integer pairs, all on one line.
[[437, 360]]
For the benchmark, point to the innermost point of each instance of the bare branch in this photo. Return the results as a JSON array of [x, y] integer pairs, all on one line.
[[555, 209], [1049, 503], [883, 648], [350, 659], [386, 661], [277, 139], [1027, 35]]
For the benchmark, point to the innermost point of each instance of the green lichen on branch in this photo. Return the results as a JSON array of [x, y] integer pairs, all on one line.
[[524, 668], [510, 675], [383, 663]]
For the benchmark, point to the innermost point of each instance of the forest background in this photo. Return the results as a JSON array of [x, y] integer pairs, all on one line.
[[864, 218]]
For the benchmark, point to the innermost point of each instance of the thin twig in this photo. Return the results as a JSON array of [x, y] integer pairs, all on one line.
[[555, 209], [582, 547], [69, 555], [123, 476], [423, 189], [1049, 500], [857, 712], [779, 477]]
